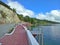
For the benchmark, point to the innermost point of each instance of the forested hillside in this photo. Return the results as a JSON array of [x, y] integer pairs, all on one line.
[[35, 21]]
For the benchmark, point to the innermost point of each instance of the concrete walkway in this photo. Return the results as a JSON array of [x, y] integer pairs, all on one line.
[[18, 37]]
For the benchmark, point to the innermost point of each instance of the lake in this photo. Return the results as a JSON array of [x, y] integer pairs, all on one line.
[[51, 34]]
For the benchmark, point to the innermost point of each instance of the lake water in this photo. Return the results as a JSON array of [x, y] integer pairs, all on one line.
[[51, 34]]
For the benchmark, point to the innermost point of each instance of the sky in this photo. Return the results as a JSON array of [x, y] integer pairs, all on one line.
[[40, 9]]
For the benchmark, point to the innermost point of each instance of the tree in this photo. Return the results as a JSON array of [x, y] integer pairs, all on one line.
[[20, 17], [27, 19], [14, 10]]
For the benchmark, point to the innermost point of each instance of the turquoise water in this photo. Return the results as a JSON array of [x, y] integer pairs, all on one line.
[[51, 35]]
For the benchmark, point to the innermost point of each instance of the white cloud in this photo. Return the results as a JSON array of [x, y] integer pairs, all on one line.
[[41, 16], [55, 12], [53, 15], [20, 9]]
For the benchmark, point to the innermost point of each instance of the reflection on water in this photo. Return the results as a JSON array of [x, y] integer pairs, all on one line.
[[51, 34]]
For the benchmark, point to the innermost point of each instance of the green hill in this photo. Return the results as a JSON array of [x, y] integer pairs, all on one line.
[[35, 21]]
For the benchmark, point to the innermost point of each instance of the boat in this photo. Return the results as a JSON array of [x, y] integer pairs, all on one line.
[[19, 36]]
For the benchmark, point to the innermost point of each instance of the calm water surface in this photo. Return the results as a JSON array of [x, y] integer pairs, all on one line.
[[51, 34]]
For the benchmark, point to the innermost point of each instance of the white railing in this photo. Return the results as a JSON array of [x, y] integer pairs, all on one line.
[[32, 40]]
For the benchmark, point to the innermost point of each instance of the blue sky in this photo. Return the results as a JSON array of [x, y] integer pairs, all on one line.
[[41, 9], [40, 5]]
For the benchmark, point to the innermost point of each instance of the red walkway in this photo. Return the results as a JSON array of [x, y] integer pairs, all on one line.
[[19, 37]]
